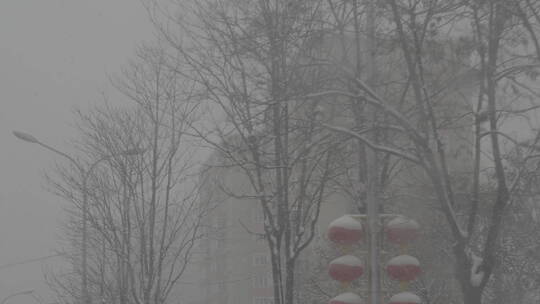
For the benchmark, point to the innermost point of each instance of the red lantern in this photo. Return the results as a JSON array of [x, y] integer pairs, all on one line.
[[401, 230], [405, 298], [346, 298], [403, 268], [346, 268], [345, 230]]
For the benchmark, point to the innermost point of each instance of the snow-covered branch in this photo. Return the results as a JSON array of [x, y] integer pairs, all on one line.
[[374, 146]]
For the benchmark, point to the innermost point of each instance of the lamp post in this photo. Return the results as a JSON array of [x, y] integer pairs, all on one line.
[[84, 174], [25, 292]]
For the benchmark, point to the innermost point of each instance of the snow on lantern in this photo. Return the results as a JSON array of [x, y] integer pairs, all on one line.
[[403, 268], [346, 268], [345, 230], [346, 298], [405, 298], [401, 230]]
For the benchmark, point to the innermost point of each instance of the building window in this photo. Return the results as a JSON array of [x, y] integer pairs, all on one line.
[[258, 215], [213, 266], [263, 300], [295, 215], [222, 287], [261, 259], [218, 243], [221, 223], [262, 281], [259, 238]]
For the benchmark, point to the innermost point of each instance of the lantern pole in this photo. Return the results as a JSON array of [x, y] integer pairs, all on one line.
[[373, 229], [372, 166]]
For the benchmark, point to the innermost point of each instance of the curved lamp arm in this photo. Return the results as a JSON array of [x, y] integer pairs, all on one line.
[[25, 292], [31, 139]]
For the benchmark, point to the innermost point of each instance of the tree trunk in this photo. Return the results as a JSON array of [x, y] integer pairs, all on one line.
[[289, 282], [472, 295]]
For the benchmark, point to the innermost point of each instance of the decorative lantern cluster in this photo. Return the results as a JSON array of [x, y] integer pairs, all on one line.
[[347, 231], [403, 268]]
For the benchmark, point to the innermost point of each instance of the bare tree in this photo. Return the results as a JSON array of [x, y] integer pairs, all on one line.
[[425, 109], [144, 213], [250, 61]]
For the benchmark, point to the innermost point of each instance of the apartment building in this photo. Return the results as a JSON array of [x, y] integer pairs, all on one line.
[[235, 265]]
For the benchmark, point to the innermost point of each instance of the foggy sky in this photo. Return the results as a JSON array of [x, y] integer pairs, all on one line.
[[54, 55]]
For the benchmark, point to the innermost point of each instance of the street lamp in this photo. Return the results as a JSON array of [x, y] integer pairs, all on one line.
[[26, 292], [84, 173]]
